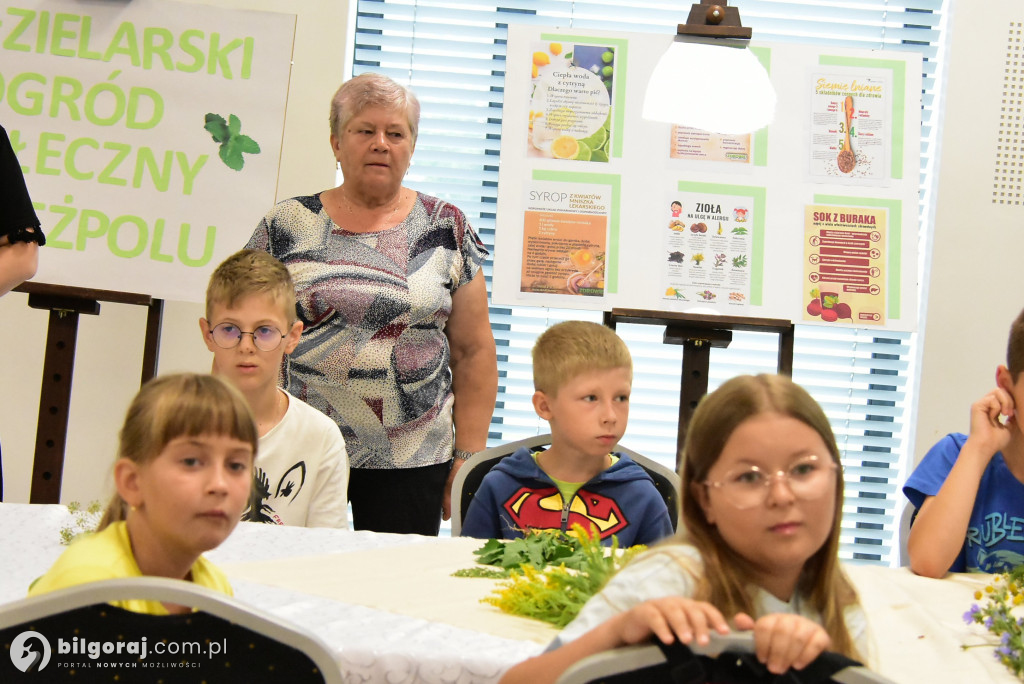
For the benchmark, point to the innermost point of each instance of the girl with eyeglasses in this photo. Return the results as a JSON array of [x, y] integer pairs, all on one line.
[[762, 500]]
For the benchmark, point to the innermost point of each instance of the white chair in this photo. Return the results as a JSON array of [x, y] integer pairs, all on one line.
[[252, 646], [471, 474]]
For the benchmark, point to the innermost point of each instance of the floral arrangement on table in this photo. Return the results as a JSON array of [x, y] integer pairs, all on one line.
[[1002, 595], [550, 574], [83, 520]]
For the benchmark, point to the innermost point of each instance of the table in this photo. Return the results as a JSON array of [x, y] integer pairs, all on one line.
[[430, 629], [918, 629], [389, 610]]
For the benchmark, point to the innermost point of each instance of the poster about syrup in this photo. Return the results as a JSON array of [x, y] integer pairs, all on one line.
[[844, 265], [565, 239], [707, 250], [849, 127], [570, 102]]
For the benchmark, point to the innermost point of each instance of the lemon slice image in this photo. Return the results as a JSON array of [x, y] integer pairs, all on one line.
[[583, 151], [597, 139], [565, 147]]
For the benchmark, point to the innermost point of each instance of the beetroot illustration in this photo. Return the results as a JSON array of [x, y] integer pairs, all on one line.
[[829, 315], [814, 308], [842, 310]]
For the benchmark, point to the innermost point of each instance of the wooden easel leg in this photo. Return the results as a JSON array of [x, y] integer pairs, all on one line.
[[786, 352], [151, 350], [694, 385], [54, 405]]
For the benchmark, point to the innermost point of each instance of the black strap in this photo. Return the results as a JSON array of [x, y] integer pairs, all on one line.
[[684, 667]]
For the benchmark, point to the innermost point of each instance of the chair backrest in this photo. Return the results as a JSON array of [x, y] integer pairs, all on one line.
[[471, 474], [652, 664], [906, 520], [224, 640]]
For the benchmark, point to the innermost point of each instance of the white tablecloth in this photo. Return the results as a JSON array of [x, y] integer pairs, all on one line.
[[431, 630], [918, 629], [371, 644]]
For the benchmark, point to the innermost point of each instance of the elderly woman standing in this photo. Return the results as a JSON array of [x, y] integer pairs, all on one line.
[[397, 346]]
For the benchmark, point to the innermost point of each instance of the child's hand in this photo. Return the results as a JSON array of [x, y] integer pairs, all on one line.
[[668, 618], [782, 641], [987, 430]]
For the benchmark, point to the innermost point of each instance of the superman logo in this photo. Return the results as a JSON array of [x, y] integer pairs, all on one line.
[[541, 509]]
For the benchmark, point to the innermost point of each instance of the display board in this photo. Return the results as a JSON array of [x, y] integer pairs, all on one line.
[[149, 133], [811, 219]]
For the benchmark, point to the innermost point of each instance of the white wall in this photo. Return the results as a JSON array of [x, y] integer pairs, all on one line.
[[108, 358], [977, 283]]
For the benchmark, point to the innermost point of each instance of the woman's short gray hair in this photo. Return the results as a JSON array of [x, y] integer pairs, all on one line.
[[373, 90]]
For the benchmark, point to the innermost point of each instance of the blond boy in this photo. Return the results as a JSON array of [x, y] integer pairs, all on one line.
[[582, 374], [301, 473]]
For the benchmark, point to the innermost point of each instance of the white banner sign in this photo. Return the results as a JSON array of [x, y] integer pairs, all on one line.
[[149, 133]]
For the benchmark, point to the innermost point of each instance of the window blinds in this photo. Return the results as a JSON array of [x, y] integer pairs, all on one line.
[[452, 53]]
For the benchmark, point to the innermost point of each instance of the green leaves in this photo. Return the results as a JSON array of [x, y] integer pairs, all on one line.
[[537, 549], [551, 574], [233, 143]]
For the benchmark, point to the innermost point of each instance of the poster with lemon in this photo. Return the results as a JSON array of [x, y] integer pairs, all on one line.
[[570, 102]]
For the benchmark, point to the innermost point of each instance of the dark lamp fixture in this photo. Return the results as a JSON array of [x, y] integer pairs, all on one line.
[[708, 78], [716, 20]]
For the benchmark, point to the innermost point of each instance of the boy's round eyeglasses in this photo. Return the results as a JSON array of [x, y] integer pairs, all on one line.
[[265, 338], [748, 486]]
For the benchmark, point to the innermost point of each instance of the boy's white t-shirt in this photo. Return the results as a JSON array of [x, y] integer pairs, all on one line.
[[301, 471], [672, 570]]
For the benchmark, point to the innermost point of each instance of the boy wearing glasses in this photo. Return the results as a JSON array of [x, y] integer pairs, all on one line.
[[301, 472]]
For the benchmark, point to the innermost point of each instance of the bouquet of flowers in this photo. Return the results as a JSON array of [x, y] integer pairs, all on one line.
[[1001, 596], [550, 574]]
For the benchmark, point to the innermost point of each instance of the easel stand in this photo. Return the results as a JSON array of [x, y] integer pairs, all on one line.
[[699, 334], [65, 305]]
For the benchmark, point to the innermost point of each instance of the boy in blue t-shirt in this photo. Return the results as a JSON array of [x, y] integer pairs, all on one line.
[[969, 489], [583, 374]]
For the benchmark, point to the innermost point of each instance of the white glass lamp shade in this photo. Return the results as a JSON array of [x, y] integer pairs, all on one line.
[[717, 86]]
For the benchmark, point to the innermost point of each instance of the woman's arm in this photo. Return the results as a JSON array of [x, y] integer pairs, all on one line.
[[474, 366], [18, 263]]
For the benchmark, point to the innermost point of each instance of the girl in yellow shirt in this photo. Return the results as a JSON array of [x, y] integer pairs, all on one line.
[[183, 476]]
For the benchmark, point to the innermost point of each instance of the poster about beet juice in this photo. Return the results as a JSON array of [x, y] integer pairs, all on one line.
[[844, 265], [570, 102]]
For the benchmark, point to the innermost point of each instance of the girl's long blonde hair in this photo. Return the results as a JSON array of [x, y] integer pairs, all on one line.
[[171, 406], [727, 574]]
